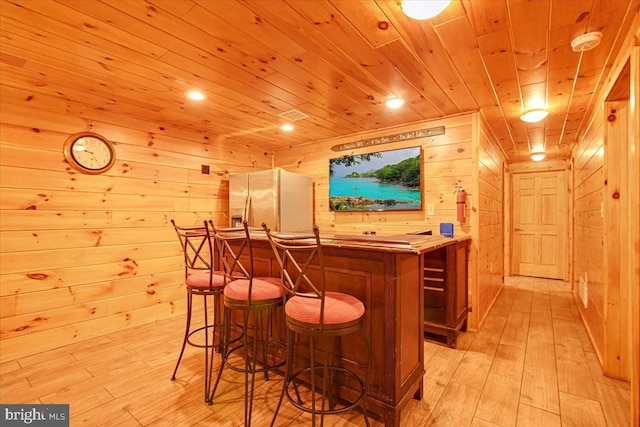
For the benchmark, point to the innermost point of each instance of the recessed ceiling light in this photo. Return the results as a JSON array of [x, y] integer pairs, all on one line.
[[536, 156], [423, 9], [195, 95], [394, 102], [287, 128], [534, 115]]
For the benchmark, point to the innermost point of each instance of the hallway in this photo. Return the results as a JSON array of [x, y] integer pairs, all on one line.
[[532, 364]]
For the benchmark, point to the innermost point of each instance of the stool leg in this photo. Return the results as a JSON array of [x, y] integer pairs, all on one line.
[[210, 378], [206, 351], [312, 363], [248, 399], [328, 360], [217, 323], [295, 385], [265, 344], [366, 374], [225, 352], [186, 335], [287, 375]]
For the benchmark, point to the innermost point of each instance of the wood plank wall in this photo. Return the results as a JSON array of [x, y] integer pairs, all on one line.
[[452, 159], [84, 255], [490, 230], [588, 228]]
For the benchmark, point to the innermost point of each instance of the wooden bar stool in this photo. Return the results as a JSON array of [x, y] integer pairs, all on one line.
[[255, 297], [201, 280], [312, 311]]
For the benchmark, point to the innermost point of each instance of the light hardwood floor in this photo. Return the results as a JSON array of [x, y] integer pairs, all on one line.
[[531, 365]]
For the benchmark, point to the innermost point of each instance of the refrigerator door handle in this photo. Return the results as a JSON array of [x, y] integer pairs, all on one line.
[[245, 209]]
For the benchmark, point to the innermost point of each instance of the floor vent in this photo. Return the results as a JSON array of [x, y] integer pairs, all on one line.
[[583, 289], [293, 115]]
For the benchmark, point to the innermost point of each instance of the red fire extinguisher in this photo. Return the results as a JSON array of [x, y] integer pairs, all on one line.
[[461, 203]]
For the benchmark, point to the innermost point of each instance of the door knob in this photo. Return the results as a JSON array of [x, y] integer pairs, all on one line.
[[519, 229]]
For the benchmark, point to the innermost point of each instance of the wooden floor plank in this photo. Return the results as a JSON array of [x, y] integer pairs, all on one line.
[[18, 391], [541, 354], [499, 400], [485, 343], [516, 330], [574, 378], [540, 327], [187, 415], [441, 369], [580, 412], [456, 406], [529, 416], [478, 422], [433, 390], [615, 402], [113, 413], [509, 362], [540, 388], [473, 370], [417, 413], [571, 349]]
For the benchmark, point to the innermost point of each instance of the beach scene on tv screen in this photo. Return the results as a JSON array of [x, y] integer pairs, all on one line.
[[384, 180]]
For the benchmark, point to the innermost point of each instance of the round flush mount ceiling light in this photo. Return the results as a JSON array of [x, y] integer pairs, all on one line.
[[536, 156], [534, 115], [423, 9], [394, 102], [195, 95], [287, 127], [586, 42]]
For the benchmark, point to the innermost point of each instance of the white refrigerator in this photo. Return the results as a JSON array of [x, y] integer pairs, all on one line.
[[282, 200]]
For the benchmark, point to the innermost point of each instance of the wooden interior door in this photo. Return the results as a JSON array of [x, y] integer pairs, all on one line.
[[539, 224]]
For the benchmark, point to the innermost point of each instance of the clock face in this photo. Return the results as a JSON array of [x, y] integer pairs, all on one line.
[[89, 153]]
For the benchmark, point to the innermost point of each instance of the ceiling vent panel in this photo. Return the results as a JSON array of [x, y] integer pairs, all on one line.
[[293, 115]]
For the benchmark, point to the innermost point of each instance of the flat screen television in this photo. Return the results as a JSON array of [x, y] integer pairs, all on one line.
[[386, 180]]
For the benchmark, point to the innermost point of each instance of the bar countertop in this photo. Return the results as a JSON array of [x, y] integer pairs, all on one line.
[[396, 243]]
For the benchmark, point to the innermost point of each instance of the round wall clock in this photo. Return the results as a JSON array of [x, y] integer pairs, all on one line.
[[89, 152]]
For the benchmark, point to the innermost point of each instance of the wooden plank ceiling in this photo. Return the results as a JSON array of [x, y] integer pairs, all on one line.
[[333, 60]]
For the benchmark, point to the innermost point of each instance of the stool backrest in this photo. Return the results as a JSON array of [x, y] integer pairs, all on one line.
[[197, 250], [234, 244], [296, 255]]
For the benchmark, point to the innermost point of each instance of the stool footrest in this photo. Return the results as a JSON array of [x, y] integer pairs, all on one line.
[[208, 327], [261, 367], [319, 369]]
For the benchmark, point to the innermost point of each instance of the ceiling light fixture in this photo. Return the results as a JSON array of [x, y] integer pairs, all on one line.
[[534, 115], [585, 42], [286, 127], [423, 9], [394, 102], [536, 156], [195, 95]]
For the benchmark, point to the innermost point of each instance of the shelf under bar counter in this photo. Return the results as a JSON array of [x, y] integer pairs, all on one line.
[[387, 274]]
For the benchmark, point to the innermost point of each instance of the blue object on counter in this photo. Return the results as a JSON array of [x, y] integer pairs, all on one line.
[[446, 229]]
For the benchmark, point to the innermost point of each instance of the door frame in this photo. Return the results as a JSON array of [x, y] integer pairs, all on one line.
[[543, 166]]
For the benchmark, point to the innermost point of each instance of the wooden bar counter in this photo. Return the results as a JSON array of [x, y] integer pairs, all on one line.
[[386, 274]]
